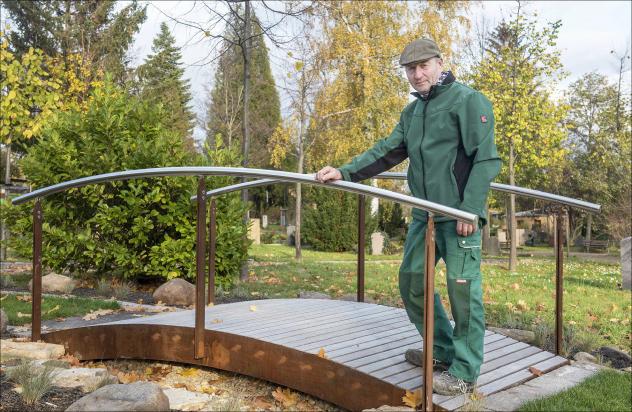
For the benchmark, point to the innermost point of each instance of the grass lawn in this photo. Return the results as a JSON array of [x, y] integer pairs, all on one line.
[[606, 391], [596, 310], [53, 307]]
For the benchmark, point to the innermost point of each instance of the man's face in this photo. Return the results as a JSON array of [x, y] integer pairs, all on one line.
[[424, 74]]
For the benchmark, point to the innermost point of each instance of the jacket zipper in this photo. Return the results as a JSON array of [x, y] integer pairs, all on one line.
[[423, 134]]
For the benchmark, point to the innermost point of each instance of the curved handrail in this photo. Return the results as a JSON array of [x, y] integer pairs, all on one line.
[[246, 172], [517, 190]]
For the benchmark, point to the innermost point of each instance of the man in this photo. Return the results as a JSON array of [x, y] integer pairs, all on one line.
[[448, 135]]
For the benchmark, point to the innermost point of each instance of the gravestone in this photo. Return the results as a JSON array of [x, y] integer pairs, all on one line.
[[493, 247], [264, 221], [283, 217], [254, 231], [290, 230], [626, 262], [377, 243]]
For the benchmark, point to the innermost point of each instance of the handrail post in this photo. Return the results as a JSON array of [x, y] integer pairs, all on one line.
[[200, 262], [428, 337], [361, 243], [36, 292], [210, 298], [559, 282]]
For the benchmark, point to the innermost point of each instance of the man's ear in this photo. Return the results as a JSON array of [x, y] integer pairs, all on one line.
[[440, 61]]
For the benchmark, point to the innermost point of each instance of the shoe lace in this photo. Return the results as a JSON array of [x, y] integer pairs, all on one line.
[[460, 383]]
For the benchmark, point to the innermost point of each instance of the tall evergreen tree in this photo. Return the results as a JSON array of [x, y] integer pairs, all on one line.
[[161, 82], [90, 28], [225, 110]]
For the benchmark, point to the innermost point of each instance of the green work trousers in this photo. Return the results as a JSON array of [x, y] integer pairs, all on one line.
[[460, 346]]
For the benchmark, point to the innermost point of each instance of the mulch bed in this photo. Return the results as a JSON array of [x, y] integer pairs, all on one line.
[[57, 399]]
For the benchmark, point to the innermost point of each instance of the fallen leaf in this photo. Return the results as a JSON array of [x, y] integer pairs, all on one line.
[[515, 286], [24, 298], [253, 308], [139, 301], [208, 305], [412, 399], [321, 353], [53, 309], [128, 377], [190, 372], [535, 371], [614, 320], [24, 315], [216, 321], [285, 397], [260, 402], [4, 297], [95, 314]]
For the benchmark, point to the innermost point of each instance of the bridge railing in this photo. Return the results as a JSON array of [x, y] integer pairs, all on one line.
[[202, 172]]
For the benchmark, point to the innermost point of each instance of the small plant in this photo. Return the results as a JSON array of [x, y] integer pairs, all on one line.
[[122, 290], [99, 382], [35, 381], [103, 287], [6, 282]]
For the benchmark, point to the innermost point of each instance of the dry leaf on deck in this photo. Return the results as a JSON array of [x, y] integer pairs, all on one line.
[[216, 321], [95, 314], [253, 308], [24, 315], [535, 371], [412, 399], [285, 397], [321, 353]]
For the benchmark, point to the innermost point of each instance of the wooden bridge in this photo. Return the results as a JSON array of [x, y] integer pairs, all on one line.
[[361, 362]]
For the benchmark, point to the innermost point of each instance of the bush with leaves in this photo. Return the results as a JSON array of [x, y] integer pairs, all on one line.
[[130, 229], [391, 219], [330, 220]]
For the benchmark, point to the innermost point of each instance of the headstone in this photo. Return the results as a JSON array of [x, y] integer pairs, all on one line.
[[493, 246], [264, 221], [282, 216], [55, 283], [502, 236], [626, 263], [254, 231], [137, 396], [31, 350], [290, 231], [377, 243], [176, 292]]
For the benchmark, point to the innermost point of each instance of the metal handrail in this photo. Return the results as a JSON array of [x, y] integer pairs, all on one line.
[[246, 172], [517, 190]]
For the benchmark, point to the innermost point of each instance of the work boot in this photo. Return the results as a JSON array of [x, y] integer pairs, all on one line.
[[447, 384], [416, 357]]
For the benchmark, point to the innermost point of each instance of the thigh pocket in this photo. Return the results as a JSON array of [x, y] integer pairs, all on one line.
[[465, 257]]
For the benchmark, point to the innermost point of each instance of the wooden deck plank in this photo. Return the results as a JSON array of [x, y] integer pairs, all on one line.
[[371, 347], [509, 359], [331, 345]]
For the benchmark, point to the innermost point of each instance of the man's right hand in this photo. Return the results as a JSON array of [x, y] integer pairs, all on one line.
[[328, 173]]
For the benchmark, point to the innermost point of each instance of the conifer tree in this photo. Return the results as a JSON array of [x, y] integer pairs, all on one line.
[[161, 82]]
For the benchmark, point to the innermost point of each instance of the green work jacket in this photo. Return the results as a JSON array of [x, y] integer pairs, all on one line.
[[449, 139]]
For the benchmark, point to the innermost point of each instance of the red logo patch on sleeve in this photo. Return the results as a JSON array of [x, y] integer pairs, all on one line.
[[483, 119]]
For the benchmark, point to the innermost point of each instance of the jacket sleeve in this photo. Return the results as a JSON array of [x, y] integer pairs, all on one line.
[[476, 125], [385, 154]]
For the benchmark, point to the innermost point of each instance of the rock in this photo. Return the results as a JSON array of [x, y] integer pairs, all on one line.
[[353, 297], [81, 377], [613, 356], [377, 243], [626, 263], [584, 357], [176, 292], [184, 400], [526, 336], [31, 350], [312, 295], [628, 369], [55, 283], [137, 396], [4, 321]]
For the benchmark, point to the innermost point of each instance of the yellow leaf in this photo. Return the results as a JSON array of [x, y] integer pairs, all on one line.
[[515, 286], [24, 315], [4, 297], [253, 308], [285, 396], [95, 314], [535, 371], [208, 305], [412, 399], [321, 353], [216, 321], [53, 309], [190, 372]]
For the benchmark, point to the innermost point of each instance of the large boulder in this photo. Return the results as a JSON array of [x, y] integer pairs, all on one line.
[[4, 321], [176, 292], [55, 283], [31, 350], [137, 396]]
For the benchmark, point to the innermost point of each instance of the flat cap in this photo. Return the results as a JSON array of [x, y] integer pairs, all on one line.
[[419, 50]]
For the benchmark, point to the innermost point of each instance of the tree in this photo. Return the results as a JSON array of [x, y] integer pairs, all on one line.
[[161, 82], [520, 62], [90, 28]]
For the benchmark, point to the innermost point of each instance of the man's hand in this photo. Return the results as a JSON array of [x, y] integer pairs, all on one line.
[[328, 173], [464, 229]]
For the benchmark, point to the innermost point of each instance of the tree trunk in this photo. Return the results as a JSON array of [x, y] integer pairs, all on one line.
[[513, 252], [7, 168], [245, 142]]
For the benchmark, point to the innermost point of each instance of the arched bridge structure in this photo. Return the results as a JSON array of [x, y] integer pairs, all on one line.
[[348, 353]]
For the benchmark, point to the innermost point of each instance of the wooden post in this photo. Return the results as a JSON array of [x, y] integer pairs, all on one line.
[[210, 298], [428, 337], [361, 243], [36, 294], [200, 262]]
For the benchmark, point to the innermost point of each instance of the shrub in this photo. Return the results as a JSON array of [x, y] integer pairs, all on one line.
[[391, 219], [130, 229], [35, 381], [330, 220]]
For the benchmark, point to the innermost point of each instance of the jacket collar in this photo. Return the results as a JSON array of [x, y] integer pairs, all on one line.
[[437, 89]]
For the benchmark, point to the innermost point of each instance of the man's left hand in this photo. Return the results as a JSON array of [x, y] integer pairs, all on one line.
[[464, 229]]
